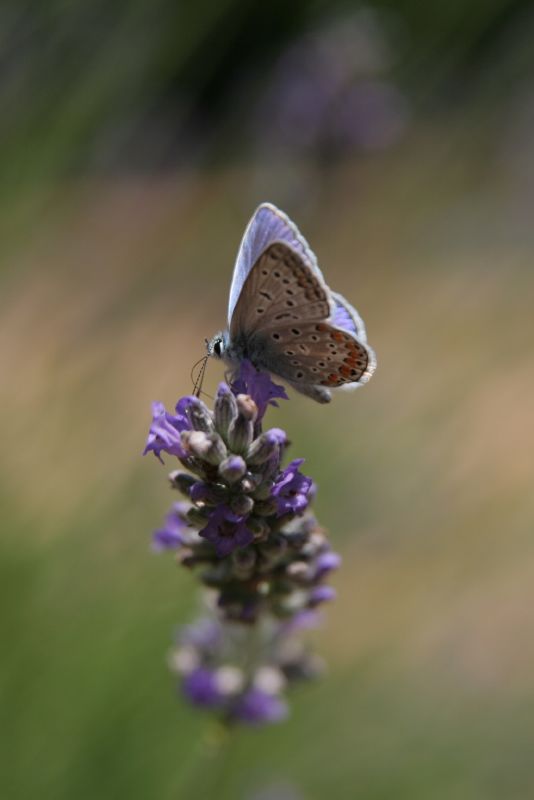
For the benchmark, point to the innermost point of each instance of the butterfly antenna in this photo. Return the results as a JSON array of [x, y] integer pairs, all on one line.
[[197, 382]]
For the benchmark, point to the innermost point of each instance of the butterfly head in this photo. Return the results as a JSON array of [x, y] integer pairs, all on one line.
[[217, 345]]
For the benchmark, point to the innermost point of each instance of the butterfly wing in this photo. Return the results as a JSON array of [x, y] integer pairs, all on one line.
[[284, 321], [279, 288], [347, 318], [267, 225]]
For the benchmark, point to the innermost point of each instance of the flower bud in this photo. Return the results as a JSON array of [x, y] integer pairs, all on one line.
[[207, 493], [208, 447], [258, 527], [321, 594], [299, 571], [269, 679], [315, 542], [225, 410], [232, 469], [218, 574], [326, 562], [196, 517], [186, 557], [243, 562], [265, 446], [296, 539], [184, 659], [247, 408], [294, 602], [263, 491], [229, 680], [183, 481], [248, 484], [200, 417], [265, 508], [241, 504], [272, 551], [240, 435], [305, 667]]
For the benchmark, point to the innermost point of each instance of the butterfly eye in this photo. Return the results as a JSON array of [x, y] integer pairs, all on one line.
[[218, 347]]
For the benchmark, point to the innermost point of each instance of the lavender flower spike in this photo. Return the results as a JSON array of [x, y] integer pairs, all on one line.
[[245, 525]]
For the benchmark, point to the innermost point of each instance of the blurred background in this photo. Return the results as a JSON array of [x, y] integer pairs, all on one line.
[[136, 140]]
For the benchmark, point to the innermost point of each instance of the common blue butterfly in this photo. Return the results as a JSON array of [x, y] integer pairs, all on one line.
[[283, 317]]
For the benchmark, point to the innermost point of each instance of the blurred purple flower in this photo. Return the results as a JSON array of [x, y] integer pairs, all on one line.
[[257, 707], [171, 535], [371, 116], [321, 594], [200, 687], [204, 635], [331, 93], [302, 620], [327, 562]]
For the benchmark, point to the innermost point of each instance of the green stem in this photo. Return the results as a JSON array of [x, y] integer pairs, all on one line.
[[209, 766]]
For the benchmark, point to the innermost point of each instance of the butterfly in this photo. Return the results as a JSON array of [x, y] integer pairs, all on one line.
[[283, 317]]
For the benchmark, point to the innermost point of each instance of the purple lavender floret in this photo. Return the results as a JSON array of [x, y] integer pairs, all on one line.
[[322, 594], [171, 536], [259, 386], [327, 562], [164, 435], [292, 489], [200, 687], [245, 525], [226, 531], [257, 707], [204, 635]]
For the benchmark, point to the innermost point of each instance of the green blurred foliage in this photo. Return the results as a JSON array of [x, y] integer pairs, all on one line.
[[130, 83], [126, 186]]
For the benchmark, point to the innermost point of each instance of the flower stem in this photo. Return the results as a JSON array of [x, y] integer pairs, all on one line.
[[208, 769]]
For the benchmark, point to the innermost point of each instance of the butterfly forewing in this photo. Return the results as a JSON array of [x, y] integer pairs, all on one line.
[[280, 288], [267, 225]]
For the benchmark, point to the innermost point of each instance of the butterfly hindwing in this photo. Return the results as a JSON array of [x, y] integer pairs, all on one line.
[[346, 317], [316, 353]]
